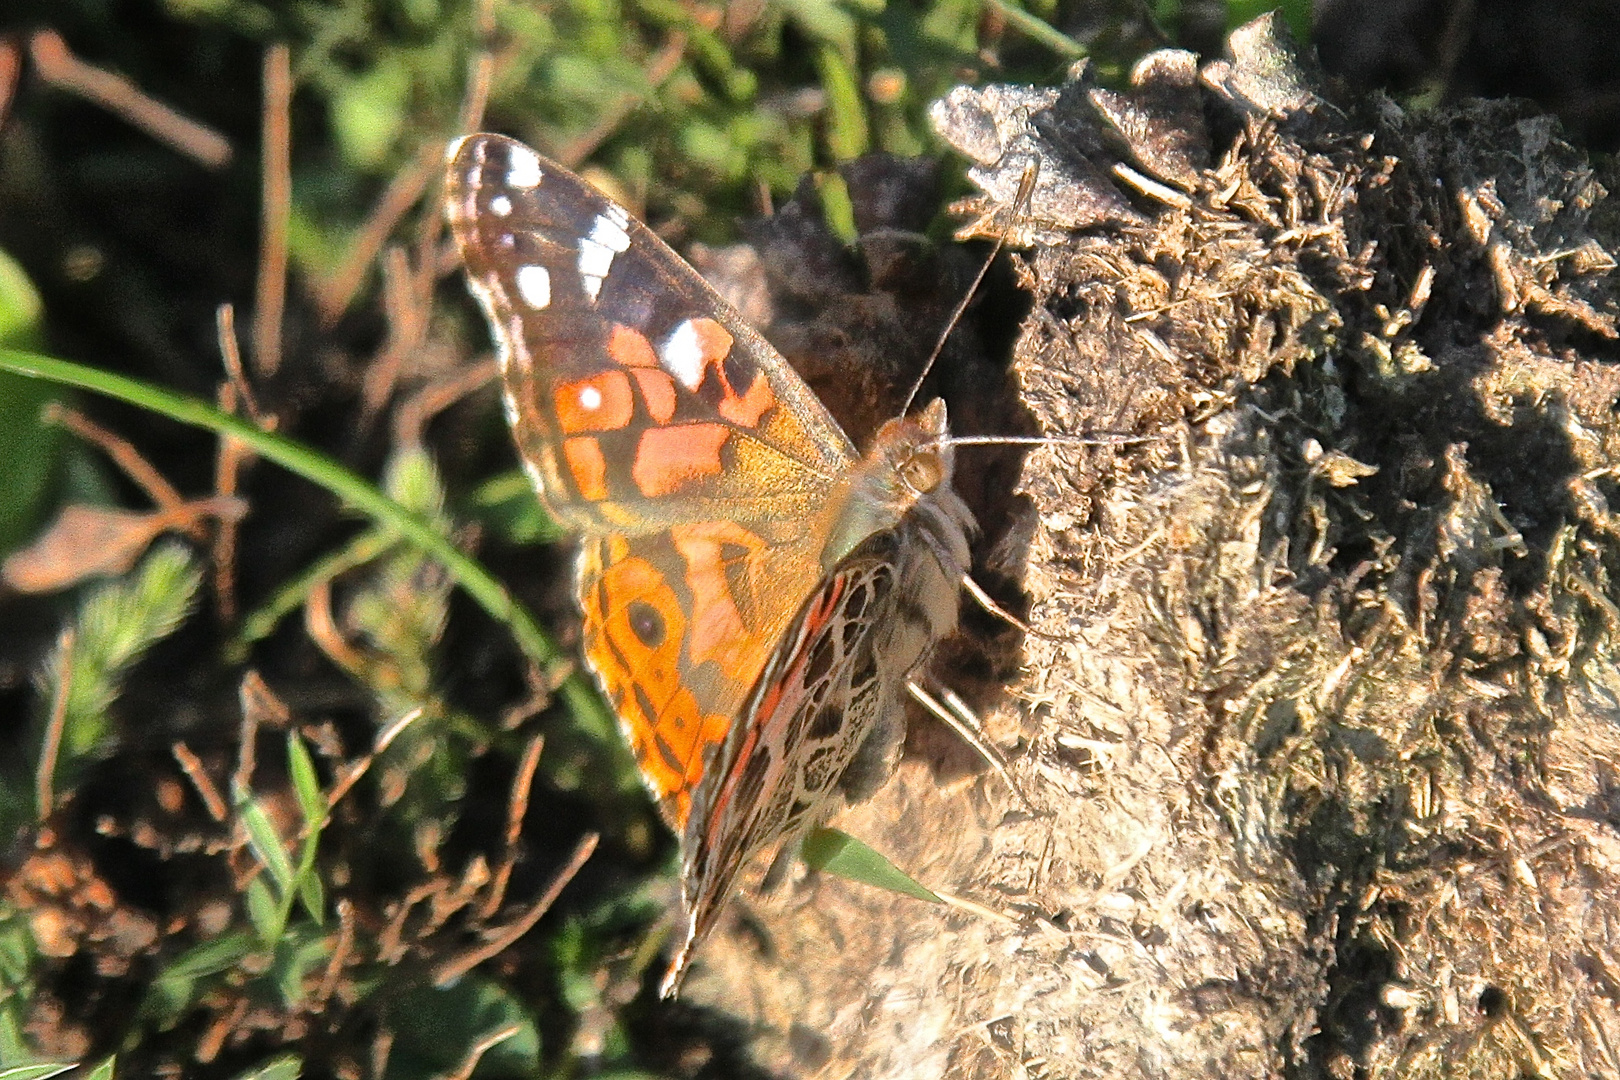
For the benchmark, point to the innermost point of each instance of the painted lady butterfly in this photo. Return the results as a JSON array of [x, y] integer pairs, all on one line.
[[756, 594]]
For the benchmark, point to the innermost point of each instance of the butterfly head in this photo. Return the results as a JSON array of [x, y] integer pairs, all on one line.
[[907, 470], [916, 451]]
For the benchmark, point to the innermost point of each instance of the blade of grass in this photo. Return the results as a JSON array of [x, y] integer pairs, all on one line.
[[840, 853], [355, 491], [1037, 28]]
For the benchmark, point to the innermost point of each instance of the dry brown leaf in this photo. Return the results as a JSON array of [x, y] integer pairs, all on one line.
[[96, 541]]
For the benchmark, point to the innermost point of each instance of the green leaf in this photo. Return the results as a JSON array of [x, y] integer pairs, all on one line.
[[1042, 31], [104, 1071], [174, 989], [847, 134], [285, 1068], [266, 843], [368, 113], [299, 952], [435, 1028], [1296, 13], [40, 1071], [263, 911], [28, 447], [839, 853], [312, 896], [509, 507], [837, 209], [824, 20], [306, 785]]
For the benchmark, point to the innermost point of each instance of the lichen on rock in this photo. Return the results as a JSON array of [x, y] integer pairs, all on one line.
[[1322, 721]]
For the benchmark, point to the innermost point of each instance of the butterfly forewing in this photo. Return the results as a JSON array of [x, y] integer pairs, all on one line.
[[637, 395]]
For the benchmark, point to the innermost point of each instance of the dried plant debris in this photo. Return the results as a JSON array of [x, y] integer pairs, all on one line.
[[1322, 720]]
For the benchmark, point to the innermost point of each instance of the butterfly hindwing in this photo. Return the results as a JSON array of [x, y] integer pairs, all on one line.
[[830, 695], [678, 627]]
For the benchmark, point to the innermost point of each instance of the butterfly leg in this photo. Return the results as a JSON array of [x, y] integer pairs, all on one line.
[[956, 714]]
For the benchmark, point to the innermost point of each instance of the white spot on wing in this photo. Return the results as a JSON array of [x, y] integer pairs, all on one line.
[[594, 259], [523, 169], [500, 206], [682, 355], [607, 238], [534, 285], [590, 398], [609, 228]]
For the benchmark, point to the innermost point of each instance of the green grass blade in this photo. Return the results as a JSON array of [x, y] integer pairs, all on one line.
[[286, 1068], [306, 785], [1040, 30], [840, 853], [355, 491], [266, 844]]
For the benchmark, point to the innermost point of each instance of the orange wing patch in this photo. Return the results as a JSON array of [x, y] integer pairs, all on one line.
[[745, 410], [719, 554], [630, 348], [587, 466], [600, 403], [714, 341], [634, 629], [669, 458], [657, 392]]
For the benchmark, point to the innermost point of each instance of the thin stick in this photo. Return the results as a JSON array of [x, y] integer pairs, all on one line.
[[230, 351], [10, 69], [59, 67], [517, 807], [192, 766], [406, 312], [352, 776], [1026, 187], [123, 454], [414, 412], [256, 700], [962, 903], [483, 1046], [213, 1040], [334, 295], [340, 956], [270, 298], [456, 967], [45, 772], [1048, 440]]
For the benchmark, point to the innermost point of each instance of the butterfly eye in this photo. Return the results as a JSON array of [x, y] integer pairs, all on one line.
[[922, 472]]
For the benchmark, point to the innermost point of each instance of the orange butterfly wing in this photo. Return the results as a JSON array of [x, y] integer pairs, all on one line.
[[701, 470]]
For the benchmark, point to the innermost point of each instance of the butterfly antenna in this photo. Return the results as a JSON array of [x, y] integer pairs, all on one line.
[[1026, 188], [1107, 438]]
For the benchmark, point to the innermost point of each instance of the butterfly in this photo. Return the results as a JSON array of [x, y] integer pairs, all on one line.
[[756, 593]]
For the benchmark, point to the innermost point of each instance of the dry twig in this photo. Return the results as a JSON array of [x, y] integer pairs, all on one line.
[[271, 295], [59, 67], [456, 967]]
